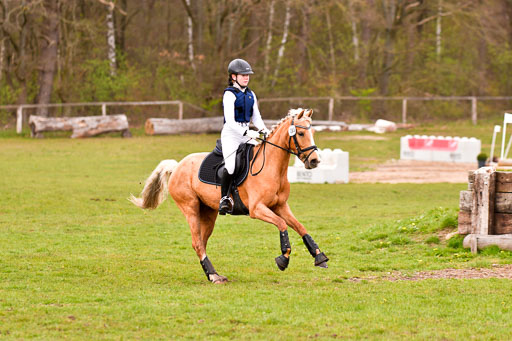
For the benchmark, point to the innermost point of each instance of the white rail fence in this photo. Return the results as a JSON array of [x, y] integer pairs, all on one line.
[[330, 101]]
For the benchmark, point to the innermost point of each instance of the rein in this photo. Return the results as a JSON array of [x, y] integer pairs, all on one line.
[[292, 131]]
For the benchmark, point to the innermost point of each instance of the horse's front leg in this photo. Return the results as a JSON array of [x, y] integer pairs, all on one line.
[[285, 212], [264, 213]]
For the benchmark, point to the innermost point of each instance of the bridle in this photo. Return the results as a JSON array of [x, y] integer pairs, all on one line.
[[292, 132]]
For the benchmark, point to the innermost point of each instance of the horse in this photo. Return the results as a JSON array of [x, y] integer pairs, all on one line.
[[265, 193]]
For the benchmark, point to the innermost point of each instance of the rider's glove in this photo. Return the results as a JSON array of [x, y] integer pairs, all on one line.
[[252, 133], [265, 131]]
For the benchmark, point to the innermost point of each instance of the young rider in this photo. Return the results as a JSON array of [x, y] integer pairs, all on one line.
[[240, 108]]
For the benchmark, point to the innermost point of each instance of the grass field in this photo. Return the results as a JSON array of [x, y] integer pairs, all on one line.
[[78, 261]]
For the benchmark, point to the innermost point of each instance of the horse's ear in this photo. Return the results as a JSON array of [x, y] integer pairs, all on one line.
[[299, 116], [309, 113]]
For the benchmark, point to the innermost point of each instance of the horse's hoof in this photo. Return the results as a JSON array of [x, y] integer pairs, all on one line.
[[321, 260], [218, 279], [282, 262]]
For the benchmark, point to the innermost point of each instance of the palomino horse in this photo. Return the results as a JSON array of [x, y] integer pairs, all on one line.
[[265, 194]]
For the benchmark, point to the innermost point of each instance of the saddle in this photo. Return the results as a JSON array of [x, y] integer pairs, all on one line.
[[212, 166]]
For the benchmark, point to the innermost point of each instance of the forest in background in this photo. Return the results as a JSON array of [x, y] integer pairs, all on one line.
[[62, 51]]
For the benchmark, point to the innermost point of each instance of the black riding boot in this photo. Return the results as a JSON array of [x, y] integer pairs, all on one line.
[[226, 203]]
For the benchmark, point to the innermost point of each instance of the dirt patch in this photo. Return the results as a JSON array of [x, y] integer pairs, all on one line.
[[402, 171], [356, 137], [497, 271]]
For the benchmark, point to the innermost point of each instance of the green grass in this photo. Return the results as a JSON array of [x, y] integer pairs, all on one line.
[[78, 261]]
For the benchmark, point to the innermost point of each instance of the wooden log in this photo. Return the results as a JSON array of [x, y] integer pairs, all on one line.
[[479, 241], [165, 126], [503, 202], [464, 226], [471, 176], [471, 180], [466, 200], [81, 126], [482, 211], [502, 223], [504, 182]]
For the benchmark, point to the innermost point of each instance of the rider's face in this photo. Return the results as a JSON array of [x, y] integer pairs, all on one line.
[[243, 80]]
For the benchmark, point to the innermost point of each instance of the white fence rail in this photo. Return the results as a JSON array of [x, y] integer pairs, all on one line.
[[405, 100], [103, 105], [330, 114]]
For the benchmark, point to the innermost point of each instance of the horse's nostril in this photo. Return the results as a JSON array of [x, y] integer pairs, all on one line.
[[314, 162]]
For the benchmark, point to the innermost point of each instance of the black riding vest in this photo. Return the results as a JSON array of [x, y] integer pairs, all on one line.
[[243, 104]]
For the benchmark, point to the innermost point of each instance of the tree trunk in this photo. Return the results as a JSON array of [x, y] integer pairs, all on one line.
[[48, 59], [190, 35], [390, 35], [269, 39], [200, 26], [81, 126], [303, 43], [353, 24], [280, 53], [438, 31], [111, 40], [253, 35], [165, 126], [366, 44], [121, 27]]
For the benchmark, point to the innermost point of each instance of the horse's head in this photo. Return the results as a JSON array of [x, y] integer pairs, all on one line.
[[301, 139]]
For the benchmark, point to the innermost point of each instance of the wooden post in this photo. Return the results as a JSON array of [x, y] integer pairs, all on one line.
[[478, 241], [331, 109], [404, 110], [473, 110], [19, 119], [180, 112], [103, 109], [482, 212]]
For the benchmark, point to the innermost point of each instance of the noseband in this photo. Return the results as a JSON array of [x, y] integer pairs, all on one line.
[[292, 131]]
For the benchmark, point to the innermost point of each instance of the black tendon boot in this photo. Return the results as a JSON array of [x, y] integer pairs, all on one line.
[[226, 203]]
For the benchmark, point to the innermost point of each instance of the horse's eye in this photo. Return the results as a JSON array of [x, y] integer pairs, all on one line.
[[301, 134]]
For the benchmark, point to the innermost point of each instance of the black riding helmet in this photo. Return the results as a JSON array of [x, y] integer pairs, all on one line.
[[239, 67]]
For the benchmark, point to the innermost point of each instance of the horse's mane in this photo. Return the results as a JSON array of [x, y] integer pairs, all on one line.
[[291, 113]]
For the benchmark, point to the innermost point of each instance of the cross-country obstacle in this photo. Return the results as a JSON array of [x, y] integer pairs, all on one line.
[[485, 215], [439, 148], [333, 168], [86, 126]]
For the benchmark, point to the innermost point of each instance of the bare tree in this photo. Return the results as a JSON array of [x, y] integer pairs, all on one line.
[[268, 43], [49, 41], [438, 30], [111, 39], [190, 33], [303, 41], [284, 39]]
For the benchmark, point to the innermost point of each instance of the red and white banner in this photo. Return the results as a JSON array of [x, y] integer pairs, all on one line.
[[439, 148]]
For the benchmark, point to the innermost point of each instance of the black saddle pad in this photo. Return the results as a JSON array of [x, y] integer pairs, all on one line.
[[213, 165]]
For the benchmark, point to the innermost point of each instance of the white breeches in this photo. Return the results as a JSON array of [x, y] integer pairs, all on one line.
[[231, 139]]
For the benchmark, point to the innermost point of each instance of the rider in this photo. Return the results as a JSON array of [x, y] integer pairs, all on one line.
[[240, 108]]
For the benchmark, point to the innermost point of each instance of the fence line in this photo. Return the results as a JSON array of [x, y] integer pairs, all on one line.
[[103, 105], [473, 99], [405, 101]]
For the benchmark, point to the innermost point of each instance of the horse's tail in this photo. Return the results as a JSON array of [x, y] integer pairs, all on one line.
[[155, 189]]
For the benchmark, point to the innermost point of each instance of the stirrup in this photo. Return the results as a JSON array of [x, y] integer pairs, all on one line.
[[226, 205]]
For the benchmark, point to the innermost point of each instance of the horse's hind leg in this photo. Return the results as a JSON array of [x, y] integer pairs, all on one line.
[[201, 228], [207, 219]]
